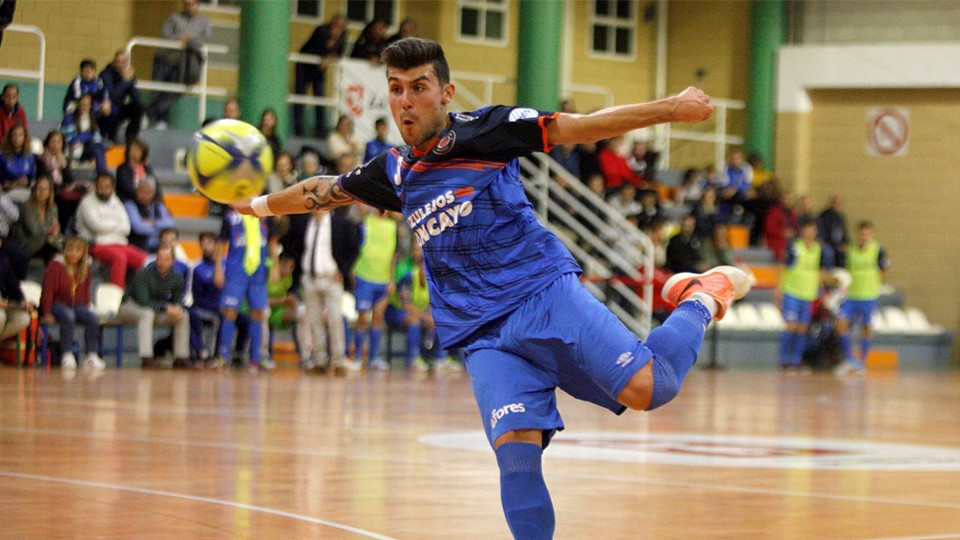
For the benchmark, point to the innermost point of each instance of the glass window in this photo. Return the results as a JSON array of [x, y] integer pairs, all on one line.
[[364, 11], [483, 20], [614, 24]]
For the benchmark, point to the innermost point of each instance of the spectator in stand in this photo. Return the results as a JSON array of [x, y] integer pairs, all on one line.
[[716, 250], [18, 167], [310, 165], [804, 209], [148, 216], [231, 109], [374, 273], [283, 175], [88, 84], [738, 180], [655, 230], [14, 310], [268, 126], [613, 164], [65, 300], [181, 262], [683, 250], [156, 298], [13, 113], [711, 179], [371, 42], [760, 175], [408, 28], [328, 42], [589, 162], [37, 230], [54, 164], [82, 134], [625, 200], [378, 144], [643, 161], [800, 278], [708, 213], [126, 105], [134, 170], [832, 229], [344, 141], [192, 30], [780, 224], [691, 188], [568, 156], [649, 208], [206, 299], [868, 264], [103, 222]]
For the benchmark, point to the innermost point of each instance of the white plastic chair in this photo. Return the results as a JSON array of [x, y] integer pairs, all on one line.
[[106, 302], [31, 291], [896, 319], [349, 307], [770, 316], [730, 321], [748, 316], [917, 322]]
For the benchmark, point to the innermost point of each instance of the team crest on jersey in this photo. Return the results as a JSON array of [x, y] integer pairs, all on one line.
[[445, 144], [520, 114]]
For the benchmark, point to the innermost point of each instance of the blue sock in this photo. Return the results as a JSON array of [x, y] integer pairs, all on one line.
[[786, 347], [865, 343], [256, 341], [227, 328], [846, 345], [358, 339], [799, 345], [346, 337], [675, 345], [523, 493], [375, 334], [413, 342]]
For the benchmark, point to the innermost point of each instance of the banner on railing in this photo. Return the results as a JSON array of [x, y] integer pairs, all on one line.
[[363, 96]]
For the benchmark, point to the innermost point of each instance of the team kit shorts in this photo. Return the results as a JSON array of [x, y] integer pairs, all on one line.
[[561, 337], [239, 286], [368, 294], [858, 311], [796, 310]]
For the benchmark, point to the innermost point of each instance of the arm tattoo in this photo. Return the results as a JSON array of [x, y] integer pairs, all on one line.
[[324, 192]]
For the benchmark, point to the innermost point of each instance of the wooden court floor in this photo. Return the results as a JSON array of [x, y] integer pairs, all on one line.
[[193, 455]]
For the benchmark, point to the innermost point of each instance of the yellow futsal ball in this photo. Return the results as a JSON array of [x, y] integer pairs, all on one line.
[[229, 160]]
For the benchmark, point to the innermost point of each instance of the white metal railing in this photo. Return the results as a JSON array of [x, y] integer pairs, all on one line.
[[488, 81], [200, 89], [602, 91], [317, 101], [719, 137], [30, 74]]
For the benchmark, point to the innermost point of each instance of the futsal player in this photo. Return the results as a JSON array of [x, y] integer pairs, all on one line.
[[867, 263], [501, 285]]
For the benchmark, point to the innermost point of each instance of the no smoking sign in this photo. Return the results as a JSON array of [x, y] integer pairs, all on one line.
[[888, 129]]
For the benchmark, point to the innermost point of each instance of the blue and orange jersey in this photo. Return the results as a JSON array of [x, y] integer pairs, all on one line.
[[484, 249]]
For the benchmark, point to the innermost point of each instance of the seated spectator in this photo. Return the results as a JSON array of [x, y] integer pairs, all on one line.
[[18, 167], [683, 250], [613, 165], [410, 309], [134, 169], [716, 250], [568, 156], [655, 230], [378, 144], [82, 134], [103, 222], [649, 207], [12, 113], [708, 213], [310, 165], [268, 126], [65, 300], [67, 190], [38, 228], [780, 225], [126, 105], [87, 84], [156, 297], [625, 201], [589, 161], [206, 299], [181, 262], [148, 216], [343, 140], [371, 42], [691, 189], [14, 310], [327, 41], [283, 175], [643, 161], [804, 209], [408, 28]]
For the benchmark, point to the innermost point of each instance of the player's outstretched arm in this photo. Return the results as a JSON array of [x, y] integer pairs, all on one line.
[[691, 105], [317, 192]]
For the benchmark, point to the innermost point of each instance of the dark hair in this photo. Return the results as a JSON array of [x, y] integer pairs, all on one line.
[[380, 122], [144, 149], [412, 52], [87, 62], [807, 222], [173, 230], [11, 85], [865, 224], [209, 235]]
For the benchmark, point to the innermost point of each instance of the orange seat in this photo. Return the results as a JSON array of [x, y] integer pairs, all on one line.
[[739, 236], [768, 277], [883, 359], [187, 204], [115, 155], [191, 248]]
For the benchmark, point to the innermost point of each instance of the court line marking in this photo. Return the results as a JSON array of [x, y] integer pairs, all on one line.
[[465, 465], [209, 500], [931, 537]]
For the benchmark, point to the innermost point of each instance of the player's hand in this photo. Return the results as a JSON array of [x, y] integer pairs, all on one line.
[[243, 207], [691, 105]]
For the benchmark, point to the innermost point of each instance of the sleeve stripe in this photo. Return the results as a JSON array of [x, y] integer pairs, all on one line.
[[543, 127]]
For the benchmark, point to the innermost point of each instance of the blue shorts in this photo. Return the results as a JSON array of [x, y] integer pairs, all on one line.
[[858, 311], [394, 316], [239, 286], [796, 310], [368, 294], [561, 337]]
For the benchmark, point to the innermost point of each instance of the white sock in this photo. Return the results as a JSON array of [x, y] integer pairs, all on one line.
[[705, 299]]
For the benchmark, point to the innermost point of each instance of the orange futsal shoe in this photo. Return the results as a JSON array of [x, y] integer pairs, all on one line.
[[723, 283]]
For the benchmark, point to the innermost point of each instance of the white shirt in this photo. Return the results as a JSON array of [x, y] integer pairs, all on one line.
[[318, 248]]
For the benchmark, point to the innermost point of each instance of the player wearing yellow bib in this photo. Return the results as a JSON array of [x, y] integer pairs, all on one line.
[[800, 281], [410, 308], [374, 271], [867, 263]]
